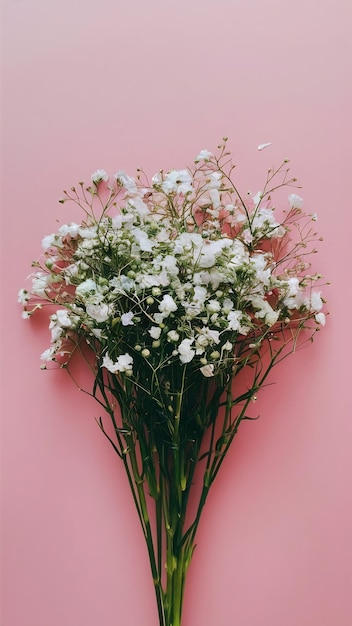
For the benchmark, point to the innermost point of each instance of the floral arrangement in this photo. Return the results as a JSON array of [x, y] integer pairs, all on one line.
[[169, 290]]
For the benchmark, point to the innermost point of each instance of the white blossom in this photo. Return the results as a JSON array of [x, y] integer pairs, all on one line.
[[167, 305], [185, 351], [204, 155], [155, 332], [63, 318], [127, 319], [99, 312], [71, 229], [23, 296], [48, 354], [173, 336], [88, 287], [213, 306], [316, 303], [40, 283], [48, 241], [177, 181], [320, 318], [128, 182], [99, 175], [295, 201], [123, 364]]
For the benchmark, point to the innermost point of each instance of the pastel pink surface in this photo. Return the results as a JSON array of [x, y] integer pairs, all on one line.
[[121, 85]]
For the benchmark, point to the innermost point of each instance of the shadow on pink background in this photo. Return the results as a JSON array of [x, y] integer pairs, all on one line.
[[88, 85]]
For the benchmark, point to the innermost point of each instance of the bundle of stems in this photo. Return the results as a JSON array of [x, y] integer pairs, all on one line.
[[172, 430]]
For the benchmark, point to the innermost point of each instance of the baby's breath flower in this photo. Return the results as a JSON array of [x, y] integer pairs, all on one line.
[[320, 318], [295, 201], [204, 155], [123, 364], [99, 175], [155, 332], [173, 336], [127, 319]]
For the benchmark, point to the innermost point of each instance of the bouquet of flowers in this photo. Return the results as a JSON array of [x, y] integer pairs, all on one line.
[[169, 289]]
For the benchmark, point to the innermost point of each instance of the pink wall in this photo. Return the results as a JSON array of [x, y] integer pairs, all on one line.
[[118, 84]]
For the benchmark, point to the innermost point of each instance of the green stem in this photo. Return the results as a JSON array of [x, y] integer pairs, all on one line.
[[139, 482]]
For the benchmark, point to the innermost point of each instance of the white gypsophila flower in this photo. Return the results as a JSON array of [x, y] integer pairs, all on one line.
[[157, 179], [48, 241], [40, 283], [99, 312], [99, 175], [297, 301], [227, 346], [177, 181], [314, 217], [127, 319], [122, 284], [87, 233], [141, 237], [138, 205], [264, 219], [257, 198], [320, 319], [316, 303], [124, 363], [25, 315], [123, 219], [169, 264], [185, 351], [87, 288], [185, 242], [208, 336], [128, 182], [23, 296], [146, 281], [234, 320], [227, 306], [204, 155], [213, 306], [70, 272], [155, 332], [199, 295], [263, 272], [207, 370], [213, 180], [211, 251], [295, 201], [56, 331], [293, 286], [48, 354], [265, 311], [62, 318], [71, 229], [215, 200], [167, 305], [173, 336]]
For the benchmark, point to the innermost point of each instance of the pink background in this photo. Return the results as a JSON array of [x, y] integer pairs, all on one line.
[[117, 84]]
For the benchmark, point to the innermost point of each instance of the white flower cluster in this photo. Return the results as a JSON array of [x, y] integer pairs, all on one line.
[[174, 272]]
